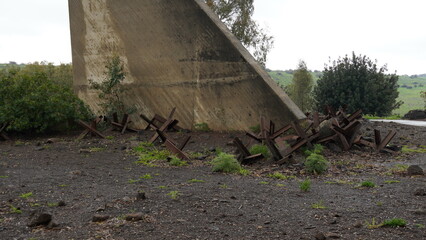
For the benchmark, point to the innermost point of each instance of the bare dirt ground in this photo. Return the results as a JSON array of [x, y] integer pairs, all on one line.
[[75, 181]]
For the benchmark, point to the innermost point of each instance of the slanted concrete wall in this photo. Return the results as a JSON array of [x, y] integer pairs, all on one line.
[[177, 54]]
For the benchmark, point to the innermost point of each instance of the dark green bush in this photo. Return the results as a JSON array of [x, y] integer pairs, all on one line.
[[31, 101]]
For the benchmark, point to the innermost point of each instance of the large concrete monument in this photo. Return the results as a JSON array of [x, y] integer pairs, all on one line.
[[177, 53]]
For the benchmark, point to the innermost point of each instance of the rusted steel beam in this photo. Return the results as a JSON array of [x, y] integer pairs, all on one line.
[[245, 157], [273, 149], [240, 146], [172, 148], [185, 141], [280, 131], [386, 140], [90, 129], [161, 129]]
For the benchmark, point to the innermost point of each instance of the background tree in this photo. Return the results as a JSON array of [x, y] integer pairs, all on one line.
[[300, 90], [359, 83], [237, 15], [111, 88]]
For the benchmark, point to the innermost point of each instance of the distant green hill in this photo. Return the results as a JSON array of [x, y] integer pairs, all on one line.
[[409, 87]]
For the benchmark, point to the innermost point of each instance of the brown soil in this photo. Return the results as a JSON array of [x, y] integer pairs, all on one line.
[[95, 177]]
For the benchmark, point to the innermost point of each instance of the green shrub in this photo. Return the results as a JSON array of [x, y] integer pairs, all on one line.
[[226, 163], [30, 100], [316, 163], [305, 185], [260, 148], [395, 222]]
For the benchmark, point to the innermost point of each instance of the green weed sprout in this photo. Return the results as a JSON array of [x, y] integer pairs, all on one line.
[[305, 185]]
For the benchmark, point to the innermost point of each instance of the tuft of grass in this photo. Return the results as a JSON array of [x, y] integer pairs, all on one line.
[[177, 162], [264, 182], [395, 222], [202, 127], [280, 185], [316, 164], [26, 195], [226, 163], [305, 185], [418, 225], [319, 205], [379, 204], [420, 149], [392, 117], [174, 195], [162, 187], [62, 185], [148, 154], [368, 184], [96, 149], [4, 176], [133, 180], [109, 137], [280, 176], [255, 129], [244, 172], [224, 186], [14, 209], [392, 181], [146, 176], [52, 204], [196, 181], [373, 224], [260, 148]]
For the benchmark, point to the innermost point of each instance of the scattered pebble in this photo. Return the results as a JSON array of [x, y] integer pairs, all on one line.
[[40, 218], [134, 217], [100, 218], [420, 192], [414, 170]]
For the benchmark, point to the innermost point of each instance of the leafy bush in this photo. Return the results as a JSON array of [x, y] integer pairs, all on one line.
[[260, 148], [30, 100], [316, 163], [226, 163], [360, 83]]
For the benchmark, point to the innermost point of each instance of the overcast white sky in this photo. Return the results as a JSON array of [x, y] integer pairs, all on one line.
[[391, 31]]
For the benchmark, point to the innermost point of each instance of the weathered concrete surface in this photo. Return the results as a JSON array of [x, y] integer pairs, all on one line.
[[177, 53]]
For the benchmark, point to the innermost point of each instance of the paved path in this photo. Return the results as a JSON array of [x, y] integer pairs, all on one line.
[[406, 122]]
